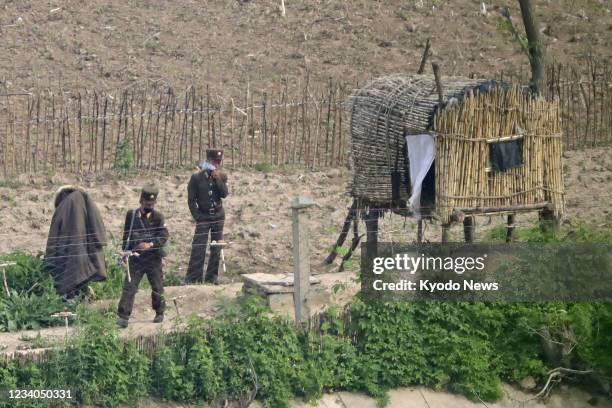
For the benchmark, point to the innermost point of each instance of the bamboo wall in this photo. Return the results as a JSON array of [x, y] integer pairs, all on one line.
[[463, 135]]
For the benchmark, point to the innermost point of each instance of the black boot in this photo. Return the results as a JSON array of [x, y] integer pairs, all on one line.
[[122, 323]]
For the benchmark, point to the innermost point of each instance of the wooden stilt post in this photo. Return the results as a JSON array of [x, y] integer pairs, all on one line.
[[468, 229], [445, 232], [548, 222], [510, 228], [420, 231], [350, 217], [356, 239], [371, 222]]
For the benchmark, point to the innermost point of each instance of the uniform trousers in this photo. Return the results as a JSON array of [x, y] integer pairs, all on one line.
[[214, 228], [150, 265]]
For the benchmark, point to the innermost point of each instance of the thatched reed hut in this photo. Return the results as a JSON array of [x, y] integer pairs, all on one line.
[[479, 122], [450, 151]]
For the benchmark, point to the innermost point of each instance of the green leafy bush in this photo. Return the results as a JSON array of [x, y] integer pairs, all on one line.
[[96, 365], [33, 298], [264, 167], [186, 372], [124, 159], [541, 232], [105, 369], [248, 342], [467, 348]]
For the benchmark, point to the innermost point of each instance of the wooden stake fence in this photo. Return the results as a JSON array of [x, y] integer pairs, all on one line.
[[302, 123], [162, 129], [585, 99]]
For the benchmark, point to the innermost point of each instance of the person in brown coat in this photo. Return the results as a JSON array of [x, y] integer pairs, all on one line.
[[205, 193], [75, 246]]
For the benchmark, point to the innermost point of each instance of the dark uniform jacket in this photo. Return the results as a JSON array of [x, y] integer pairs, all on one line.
[[205, 194], [146, 228]]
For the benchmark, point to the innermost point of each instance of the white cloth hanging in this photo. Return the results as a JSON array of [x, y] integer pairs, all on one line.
[[421, 152]]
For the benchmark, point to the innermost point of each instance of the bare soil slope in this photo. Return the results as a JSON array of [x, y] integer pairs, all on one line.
[[110, 44]]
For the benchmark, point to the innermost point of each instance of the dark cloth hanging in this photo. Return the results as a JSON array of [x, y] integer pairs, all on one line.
[[74, 253], [505, 155]]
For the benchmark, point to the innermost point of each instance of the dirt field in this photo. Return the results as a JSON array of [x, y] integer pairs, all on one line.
[[227, 43], [258, 215], [258, 223]]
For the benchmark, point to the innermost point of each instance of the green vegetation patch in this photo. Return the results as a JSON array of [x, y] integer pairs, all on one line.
[[467, 348]]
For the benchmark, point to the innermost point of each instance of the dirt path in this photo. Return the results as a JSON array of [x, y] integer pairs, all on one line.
[[204, 301], [420, 397]]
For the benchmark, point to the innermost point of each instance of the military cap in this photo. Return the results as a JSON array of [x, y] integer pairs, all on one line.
[[214, 154], [149, 192]]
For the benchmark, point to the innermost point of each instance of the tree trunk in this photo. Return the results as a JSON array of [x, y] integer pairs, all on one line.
[[536, 47]]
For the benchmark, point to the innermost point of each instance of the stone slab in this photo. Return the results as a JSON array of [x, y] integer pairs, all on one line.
[[268, 283]]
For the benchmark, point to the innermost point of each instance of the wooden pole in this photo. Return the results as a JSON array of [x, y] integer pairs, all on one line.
[[192, 131], [200, 147], [220, 128], [445, 232], [103, 133], [284, 145], [93, 163], [436, 70], [3, 266], [510, 228], [252, 129], [28, 147], [37, 133], [346, 226], [80, 137], [232, 146], [340, 131], [53, 155], [420, 231], [301, 259], [468, 229], [424, 58], [276, 132], [265, 127], [210, 143], [332, 160]]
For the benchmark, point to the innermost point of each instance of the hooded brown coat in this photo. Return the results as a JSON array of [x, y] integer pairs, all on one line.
[[74, 254]]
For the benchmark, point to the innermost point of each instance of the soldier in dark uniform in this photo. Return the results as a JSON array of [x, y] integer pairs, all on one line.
[[145, 234], [206, 190]]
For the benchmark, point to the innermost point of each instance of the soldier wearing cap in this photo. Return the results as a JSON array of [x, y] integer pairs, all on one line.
[[206, 190], [145, 234]]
